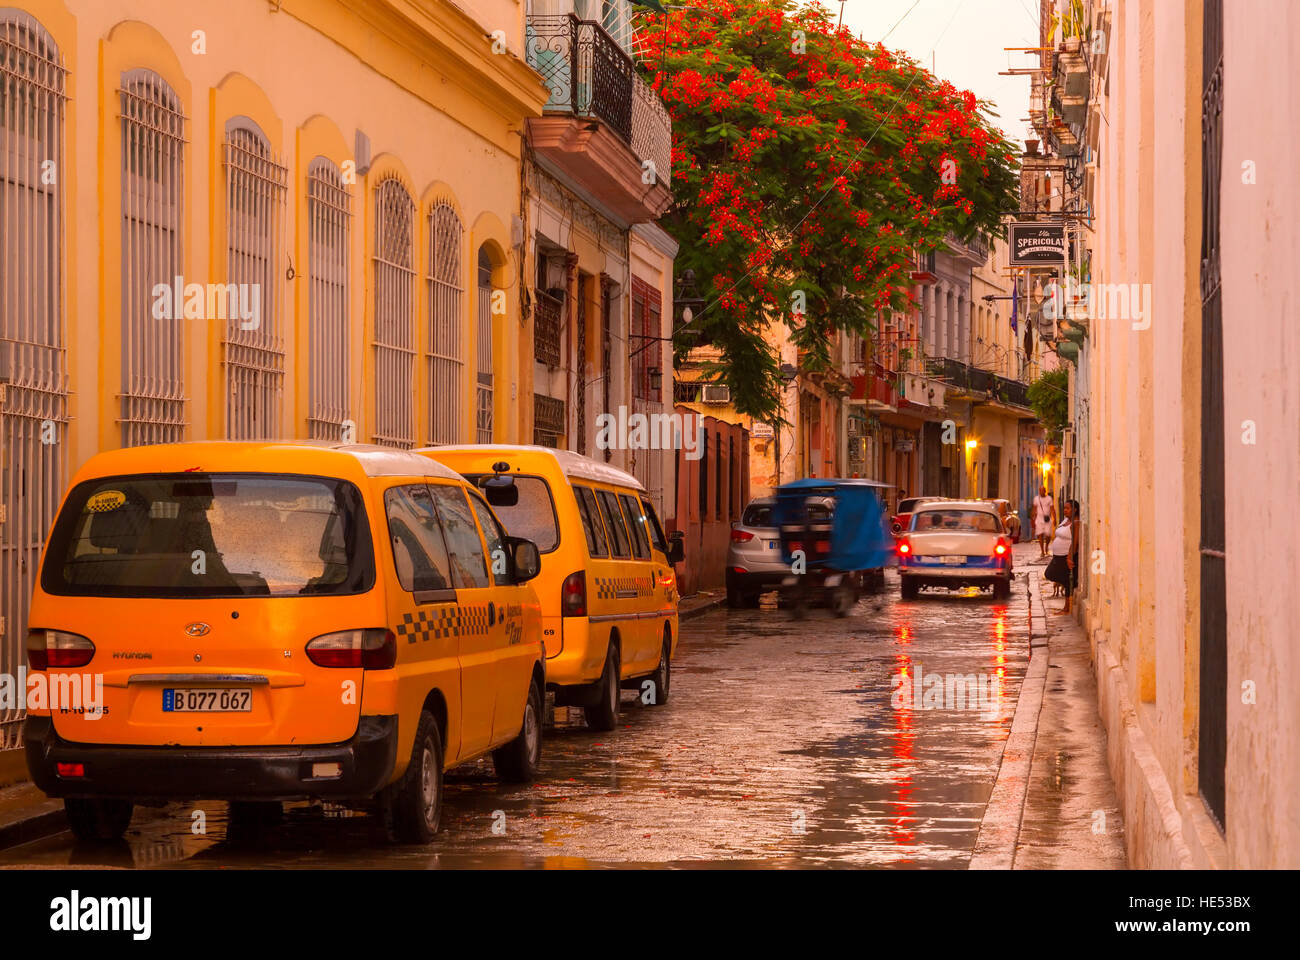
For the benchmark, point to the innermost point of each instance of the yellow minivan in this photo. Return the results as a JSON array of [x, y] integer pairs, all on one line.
[[607, 586], [279, 621]]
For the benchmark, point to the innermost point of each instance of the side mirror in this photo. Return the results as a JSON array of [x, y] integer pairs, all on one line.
[[527, 561], [676, 547], [501, 491]]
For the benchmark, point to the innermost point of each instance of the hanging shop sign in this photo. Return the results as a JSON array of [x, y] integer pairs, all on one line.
[[1037, 244]]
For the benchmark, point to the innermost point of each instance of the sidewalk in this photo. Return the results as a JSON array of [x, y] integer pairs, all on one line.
[[1053, 806]]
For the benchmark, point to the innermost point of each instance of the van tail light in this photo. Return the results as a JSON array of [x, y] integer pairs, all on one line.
[[1002, 546], [573, 595], [373, 649], [741, 536], [54, 649]]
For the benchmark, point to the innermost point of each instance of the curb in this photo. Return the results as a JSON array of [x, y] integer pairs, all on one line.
[[31, 823], [701, 609], [995, 846]]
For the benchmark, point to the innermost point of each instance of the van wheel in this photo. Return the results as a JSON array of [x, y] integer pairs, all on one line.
[[98, 820], [248, 820], [604, 714], [518, 760], [663, 674], [417, 797], [909, 588]]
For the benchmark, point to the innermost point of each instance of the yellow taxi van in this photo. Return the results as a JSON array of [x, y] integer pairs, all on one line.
[[607, 586], [281, 621]]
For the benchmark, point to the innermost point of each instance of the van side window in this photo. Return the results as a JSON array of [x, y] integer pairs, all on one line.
[[656, 531], [495, 542], [468, 565], [591, 522], [614, 521], [636, 520], [419, 552]]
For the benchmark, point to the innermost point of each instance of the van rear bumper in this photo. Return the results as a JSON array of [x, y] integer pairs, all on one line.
[[212, 773]]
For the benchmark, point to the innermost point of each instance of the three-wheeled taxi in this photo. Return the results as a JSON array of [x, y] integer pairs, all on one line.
[[834, 535]]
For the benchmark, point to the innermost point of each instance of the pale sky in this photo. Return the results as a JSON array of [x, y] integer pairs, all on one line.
[[966, 38]]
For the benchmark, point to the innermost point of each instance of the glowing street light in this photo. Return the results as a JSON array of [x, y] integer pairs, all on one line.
[[1046, 468], [972, 444]]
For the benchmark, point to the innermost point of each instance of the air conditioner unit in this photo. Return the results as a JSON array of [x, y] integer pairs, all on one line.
[[717, 393]]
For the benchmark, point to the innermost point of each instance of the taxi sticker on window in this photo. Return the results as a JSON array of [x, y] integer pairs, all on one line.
[[105, 500]]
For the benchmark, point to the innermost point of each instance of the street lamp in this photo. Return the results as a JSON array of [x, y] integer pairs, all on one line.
[[972, 444], [1046, 468]]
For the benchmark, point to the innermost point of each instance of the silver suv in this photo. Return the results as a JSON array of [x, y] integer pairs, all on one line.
[[754, 562]]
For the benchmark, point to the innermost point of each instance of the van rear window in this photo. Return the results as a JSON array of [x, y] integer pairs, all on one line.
[[210, 535], [533, 517]]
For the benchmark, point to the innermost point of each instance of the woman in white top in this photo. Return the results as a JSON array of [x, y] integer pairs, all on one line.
[[1044, 519], [1063, 568]]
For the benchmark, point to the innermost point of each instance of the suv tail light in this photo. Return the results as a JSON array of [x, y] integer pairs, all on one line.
[[573, 595], [54, 649], [373, 649], [741, 536]]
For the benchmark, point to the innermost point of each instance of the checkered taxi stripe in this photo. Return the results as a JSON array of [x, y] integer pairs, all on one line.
[[445, 622], [624, 588]]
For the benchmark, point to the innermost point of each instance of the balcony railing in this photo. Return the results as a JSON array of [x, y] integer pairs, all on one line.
[[591, 76]]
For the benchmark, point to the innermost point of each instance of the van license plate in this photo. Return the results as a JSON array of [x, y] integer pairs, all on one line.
[[208, 700]]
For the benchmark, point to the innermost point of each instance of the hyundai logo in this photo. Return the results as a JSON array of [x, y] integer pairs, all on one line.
[[198, 629]]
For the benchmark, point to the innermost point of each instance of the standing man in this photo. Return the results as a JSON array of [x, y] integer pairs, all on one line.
[[1044, 519]]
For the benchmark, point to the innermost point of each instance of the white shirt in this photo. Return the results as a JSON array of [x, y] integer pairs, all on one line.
[[1061, 542]]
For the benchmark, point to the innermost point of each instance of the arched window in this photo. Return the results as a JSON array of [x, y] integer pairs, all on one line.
[[394, 316], [328, 224], [446, 294], [485, 386], [33, 336], [254, 349], [153, 177]]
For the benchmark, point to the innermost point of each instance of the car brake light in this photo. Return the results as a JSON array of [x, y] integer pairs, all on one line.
[[373, 649], [48, 649], [904, 547], [1001, 546], [573, 595], [741, 536]]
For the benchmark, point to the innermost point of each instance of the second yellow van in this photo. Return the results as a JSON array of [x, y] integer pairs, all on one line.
[[607, 587]]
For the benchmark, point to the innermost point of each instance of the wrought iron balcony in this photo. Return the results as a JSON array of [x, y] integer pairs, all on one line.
[[590, 77]]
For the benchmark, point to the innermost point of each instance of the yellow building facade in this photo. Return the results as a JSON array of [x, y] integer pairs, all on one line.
[[252, 219]]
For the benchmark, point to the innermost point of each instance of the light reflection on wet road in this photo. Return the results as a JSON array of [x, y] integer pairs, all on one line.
[[783, 745]]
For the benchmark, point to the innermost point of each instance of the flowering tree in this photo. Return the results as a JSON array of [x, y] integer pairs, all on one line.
[[808, 168]]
